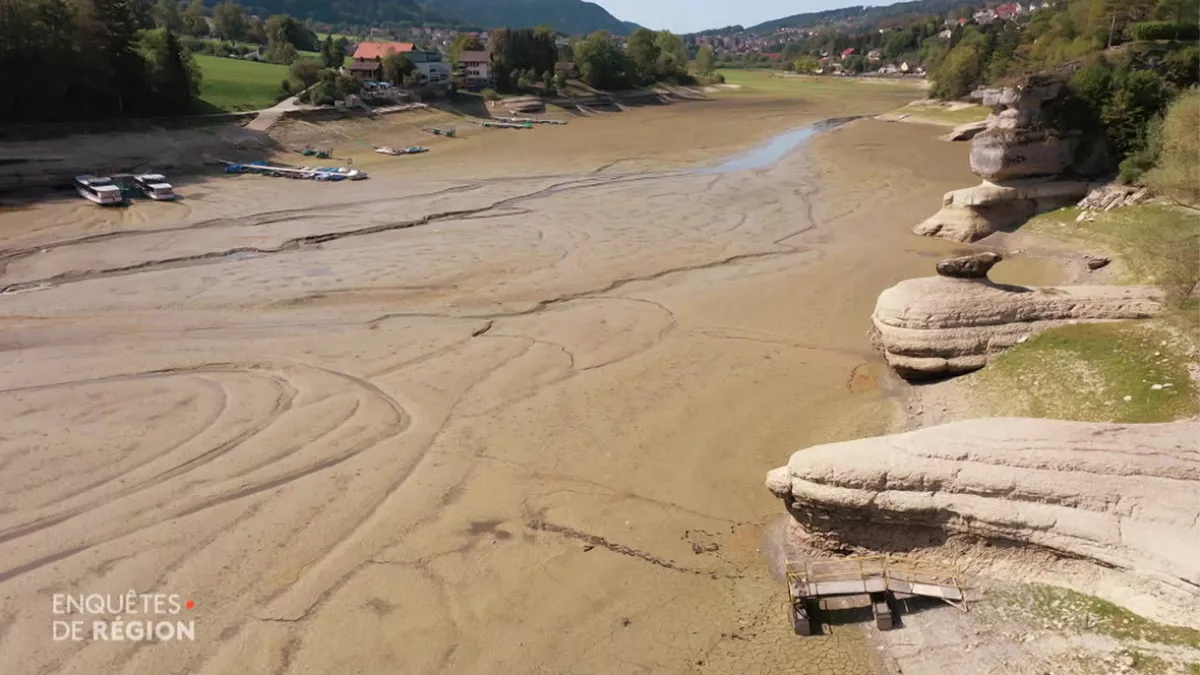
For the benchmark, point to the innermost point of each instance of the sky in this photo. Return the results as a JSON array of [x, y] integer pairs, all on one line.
[[690, 16]]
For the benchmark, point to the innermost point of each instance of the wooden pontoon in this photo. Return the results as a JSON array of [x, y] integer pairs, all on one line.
[[878, 578]]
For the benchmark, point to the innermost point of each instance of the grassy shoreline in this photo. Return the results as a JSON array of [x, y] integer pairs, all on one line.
[[236, 85]]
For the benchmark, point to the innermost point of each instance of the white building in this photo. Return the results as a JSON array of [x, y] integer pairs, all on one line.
[[433, 70]]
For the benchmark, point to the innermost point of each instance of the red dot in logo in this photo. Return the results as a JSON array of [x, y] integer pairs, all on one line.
[[191, 605]]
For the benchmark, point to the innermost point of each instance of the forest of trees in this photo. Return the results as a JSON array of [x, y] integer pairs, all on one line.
[[64, 60], [73, 60]]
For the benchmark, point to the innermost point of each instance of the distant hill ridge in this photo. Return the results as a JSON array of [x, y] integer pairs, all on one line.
[[860, 13], [567, 16]]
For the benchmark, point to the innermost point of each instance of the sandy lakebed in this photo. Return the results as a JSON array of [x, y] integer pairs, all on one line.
[[503, 408]]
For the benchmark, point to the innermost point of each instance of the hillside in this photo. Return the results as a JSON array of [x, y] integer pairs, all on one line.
[[567, 16], [377, 12], [859, 14]]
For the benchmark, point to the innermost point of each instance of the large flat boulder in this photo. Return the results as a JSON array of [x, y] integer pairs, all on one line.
[[938, 326], [1123, 496], [1000, 154]]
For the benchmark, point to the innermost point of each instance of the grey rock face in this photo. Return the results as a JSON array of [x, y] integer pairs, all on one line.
[[1011, 154]]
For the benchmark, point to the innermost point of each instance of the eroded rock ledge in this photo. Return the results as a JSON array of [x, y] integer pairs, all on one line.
[[945, 325], [1123, 496]]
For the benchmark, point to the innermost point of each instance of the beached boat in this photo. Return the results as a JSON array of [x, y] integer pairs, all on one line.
[[442, 132], [414, 150], [339, 173], [154, 186], [508, 125], [303, 173], [99, 189], [527, 120]]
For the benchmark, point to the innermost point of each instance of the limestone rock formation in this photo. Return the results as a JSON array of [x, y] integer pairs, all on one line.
[[973, 213], [1019, 142], [1022, 154], [938, 326], [974, 266], [1124, 496]]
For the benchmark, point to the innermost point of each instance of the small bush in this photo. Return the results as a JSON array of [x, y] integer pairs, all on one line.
[[1165, 30], [490, 95], [1182, 66], [1178, 174], [1141, 160]]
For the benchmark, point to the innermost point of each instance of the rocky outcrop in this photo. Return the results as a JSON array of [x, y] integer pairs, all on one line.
[[1124, 496], [973, 213], [1022, 155], [1109, 197], [1019, 141], [939, 326], [974, 266]]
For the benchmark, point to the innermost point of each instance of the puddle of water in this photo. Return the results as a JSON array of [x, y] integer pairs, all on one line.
[[1030, 271], [775, 149]]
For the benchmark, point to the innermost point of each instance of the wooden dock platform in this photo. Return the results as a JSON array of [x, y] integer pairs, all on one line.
[[878, 578]]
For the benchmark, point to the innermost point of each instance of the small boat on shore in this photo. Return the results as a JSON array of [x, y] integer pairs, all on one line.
[[154, 186], [339, 173], [99, 190], [414, 150], [509, 125], [527, 120], [303, 173]]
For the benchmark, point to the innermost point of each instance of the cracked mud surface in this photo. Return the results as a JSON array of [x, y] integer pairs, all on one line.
[[485, 426]]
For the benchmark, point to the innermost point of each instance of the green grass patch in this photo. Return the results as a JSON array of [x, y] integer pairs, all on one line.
[[1158, 245], [1085, 372], [236, 85], [1073, 611]]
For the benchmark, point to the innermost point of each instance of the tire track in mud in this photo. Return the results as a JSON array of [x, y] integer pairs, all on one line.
[[540, 524], [386, 430], [288, 245]]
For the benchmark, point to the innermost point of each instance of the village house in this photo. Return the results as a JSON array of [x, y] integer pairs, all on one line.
[[368, 58], [476, 68], [985, 17], [1009, 11]]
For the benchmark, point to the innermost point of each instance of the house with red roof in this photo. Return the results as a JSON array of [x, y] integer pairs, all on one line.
[[372, 51]]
